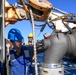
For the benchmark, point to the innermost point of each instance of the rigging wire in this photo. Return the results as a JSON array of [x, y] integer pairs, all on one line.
[[34, 38]]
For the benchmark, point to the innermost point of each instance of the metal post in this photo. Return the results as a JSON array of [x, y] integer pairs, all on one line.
[[2, 40]]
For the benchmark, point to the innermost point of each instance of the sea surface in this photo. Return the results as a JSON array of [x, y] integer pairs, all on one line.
[[69, 65]]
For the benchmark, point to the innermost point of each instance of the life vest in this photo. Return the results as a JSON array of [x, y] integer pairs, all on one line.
[[20, 63], [27, 43]]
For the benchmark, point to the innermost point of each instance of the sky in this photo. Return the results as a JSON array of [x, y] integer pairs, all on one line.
[[25, 26]]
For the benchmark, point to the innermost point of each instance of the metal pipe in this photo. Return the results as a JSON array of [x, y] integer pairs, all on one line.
[[57, 49], [57, 46], [60, 11]]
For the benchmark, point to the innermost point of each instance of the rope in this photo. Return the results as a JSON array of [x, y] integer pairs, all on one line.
[[61, 11], [65, 14], [35, 53], [7, 59]]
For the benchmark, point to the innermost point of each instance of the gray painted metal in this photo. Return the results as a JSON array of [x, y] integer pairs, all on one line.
[[2, 26], [57, 46], [2, 40]]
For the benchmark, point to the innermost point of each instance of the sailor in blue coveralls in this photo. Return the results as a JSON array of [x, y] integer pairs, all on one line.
[[20, 56]]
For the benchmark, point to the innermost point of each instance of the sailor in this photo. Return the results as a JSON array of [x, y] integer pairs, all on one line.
[[20, 55], [30, 39]]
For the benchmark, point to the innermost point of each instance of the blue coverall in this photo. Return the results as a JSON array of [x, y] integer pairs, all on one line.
[[18, 63]]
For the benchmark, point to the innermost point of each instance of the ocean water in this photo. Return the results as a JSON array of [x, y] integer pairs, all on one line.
[[69, 65]]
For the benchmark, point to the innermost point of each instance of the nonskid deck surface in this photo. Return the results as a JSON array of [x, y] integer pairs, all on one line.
[[69, 65]]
